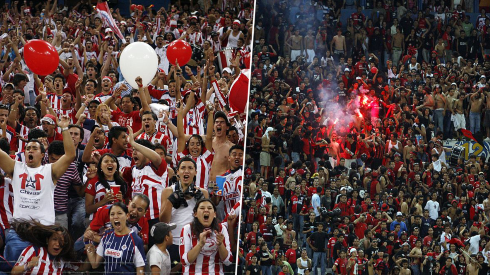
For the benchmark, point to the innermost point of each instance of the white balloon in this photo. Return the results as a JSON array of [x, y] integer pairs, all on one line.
[[138, 59]]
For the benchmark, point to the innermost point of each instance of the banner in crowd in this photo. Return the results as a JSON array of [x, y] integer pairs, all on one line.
[[471, 148]]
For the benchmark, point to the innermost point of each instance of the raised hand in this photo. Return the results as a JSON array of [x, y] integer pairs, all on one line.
[[130, 134], [78, 83], [139, 81], [219, 238], [64, 121]]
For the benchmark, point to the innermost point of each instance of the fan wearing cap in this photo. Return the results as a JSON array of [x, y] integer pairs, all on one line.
[[158, 256], [399, 221], [232, 35], [105, 89], [48, 123]]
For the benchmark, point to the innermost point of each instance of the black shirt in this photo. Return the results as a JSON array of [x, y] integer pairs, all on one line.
[[254, 269], [262, 255], [318, 239]]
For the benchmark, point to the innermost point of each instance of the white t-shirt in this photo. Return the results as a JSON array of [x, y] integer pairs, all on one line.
[[474, 244], [33, 193], [158, 258], [433, 207]]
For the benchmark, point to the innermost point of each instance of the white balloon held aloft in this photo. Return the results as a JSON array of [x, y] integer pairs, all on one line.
[[138, 59]]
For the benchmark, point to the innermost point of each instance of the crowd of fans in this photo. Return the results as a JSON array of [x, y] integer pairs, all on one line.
[[102, 177], [345, 167]]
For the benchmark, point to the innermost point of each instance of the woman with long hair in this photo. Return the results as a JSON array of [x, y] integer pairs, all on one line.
[[121, 248], [98, 190], [51, 249], [205, 244]]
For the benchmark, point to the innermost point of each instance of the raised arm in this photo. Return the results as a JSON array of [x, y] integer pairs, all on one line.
[[153, 156], [59, 167]]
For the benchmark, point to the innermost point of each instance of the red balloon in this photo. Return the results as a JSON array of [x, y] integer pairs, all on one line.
[[133, 7], [179, 50], [238, 96], [374, 70], [41, 57]]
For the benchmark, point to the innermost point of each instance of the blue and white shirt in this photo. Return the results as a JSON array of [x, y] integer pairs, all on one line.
[[121, 253]]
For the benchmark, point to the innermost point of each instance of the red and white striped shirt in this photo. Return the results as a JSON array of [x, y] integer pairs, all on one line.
[[23, 131], [157, 137], [163, 128], [203, 166], [232, 189], [151, 181], [194, 120], [208, 261], [7, 205], [195, 38], [55, 100], [45, 265], [67, 112]]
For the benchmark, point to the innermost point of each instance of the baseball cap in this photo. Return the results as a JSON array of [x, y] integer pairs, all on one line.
[[399, 213], [7, 85], [161, 230], [49, 119], [227, 69], [346, 70], [108, 30]]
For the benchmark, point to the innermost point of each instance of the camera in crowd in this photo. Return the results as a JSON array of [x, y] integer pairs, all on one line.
[[177, 198]]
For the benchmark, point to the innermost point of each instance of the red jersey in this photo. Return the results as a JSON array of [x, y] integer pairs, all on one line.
[[132, 120], [341, 265], [280, 185], [251, 214], [102, 223]]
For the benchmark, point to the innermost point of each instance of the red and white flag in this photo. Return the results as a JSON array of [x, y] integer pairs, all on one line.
[[105, 14]]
